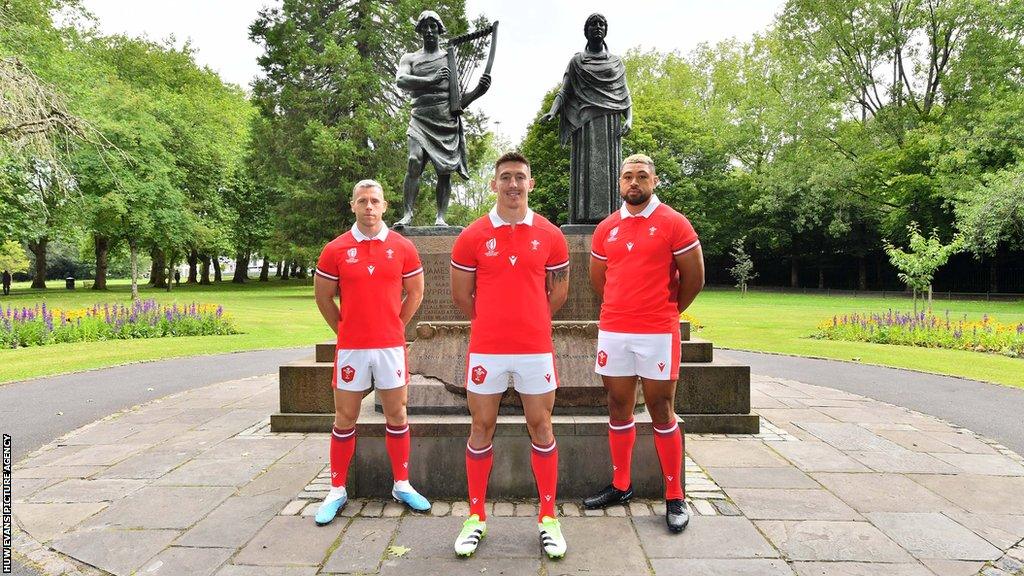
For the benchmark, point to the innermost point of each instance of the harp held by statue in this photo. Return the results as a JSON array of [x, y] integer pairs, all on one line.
[[464, 55]]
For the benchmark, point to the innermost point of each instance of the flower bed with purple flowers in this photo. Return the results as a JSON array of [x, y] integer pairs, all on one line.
[[928, 330], [141, 319]]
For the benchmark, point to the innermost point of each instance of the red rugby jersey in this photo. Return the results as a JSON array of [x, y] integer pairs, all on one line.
[[510, 262], [642, 282], [369, 272]]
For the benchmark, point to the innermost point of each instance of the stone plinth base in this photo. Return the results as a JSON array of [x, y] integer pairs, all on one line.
[[438, 468]]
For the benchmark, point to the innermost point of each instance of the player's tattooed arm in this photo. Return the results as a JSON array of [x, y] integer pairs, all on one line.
[[557, 284]]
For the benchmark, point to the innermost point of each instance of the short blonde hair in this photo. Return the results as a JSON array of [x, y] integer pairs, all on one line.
[[367, 183], [637, 159]]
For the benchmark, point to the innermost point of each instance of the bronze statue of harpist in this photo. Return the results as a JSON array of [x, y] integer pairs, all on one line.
[[595, 112], [435, 129]]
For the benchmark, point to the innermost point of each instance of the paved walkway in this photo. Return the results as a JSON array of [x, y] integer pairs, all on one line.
[[194, 484], [990, 409], [74, 400]]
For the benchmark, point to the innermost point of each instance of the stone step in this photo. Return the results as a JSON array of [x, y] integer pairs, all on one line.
[[325, 351], [684, 330], [718, 387], [437, 465], [305, 386], [696, 350], [722, 423]]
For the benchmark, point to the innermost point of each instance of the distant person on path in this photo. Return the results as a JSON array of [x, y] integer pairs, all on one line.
[[510, 274], [646, 264], [368, 267], [7, 283]]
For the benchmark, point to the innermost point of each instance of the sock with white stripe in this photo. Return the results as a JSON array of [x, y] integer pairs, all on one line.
[[396, 441], [478, 473], [621, 436], [343, 446], [669, 444], [545, 471]]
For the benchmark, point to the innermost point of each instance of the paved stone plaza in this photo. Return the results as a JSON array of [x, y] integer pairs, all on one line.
[[836, 484]]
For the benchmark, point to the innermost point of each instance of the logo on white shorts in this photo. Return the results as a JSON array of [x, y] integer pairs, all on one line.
[[513, 259], [352, 253], [399, 372], [478, 374], [613, 235], [348, 373], [371, 269], [602, 358], [547, 377], [492, 246], [661, 366], [629, 246]]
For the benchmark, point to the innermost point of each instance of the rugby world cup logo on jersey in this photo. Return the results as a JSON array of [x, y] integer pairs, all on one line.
[[352, 255], [613, 234], [491, 245]]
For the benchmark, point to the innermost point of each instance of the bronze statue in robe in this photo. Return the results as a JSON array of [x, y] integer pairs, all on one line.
[[595, 112]]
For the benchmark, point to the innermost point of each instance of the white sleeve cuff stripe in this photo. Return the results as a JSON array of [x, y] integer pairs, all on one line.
[[687, 248], [413, 273], [325, 274], [557, 266], [461, 267], [598, 256]]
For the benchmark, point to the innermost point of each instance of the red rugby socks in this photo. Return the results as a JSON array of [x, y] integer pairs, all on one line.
[[621, 436], [396, 441], [669, 443], [343, 445], [545, 471], [478, 472]]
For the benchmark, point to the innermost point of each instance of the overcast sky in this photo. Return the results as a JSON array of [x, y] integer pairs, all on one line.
[[536, 37]]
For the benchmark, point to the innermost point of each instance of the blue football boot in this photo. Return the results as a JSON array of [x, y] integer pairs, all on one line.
[[411, 498], [329, 509]]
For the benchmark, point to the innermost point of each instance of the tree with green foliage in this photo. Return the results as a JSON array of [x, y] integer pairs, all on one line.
[[743, 270], [12, 257], [917, 267]]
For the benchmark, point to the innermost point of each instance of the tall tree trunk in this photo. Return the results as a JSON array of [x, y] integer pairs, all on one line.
[[160, 265], [215, 261], [193, 265], [154, 267], [285, 269], [241, 268], [265, 269], [133, 247], [993, 272], [862, 273], [794, 273], [300, 272], [38, 248], [821, 278], [170, 264], [280, 264], [102, 246], [204, 274]]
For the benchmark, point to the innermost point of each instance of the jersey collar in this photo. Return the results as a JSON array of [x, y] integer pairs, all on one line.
[[497, 222], [646, 213], [360, 237]]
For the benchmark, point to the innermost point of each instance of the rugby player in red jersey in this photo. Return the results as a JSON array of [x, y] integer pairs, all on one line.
[[368, 268], [646, 264], [510, 274]]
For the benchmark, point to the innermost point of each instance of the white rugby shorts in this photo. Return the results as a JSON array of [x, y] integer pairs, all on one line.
[[385, 367], [531, 373], [651, 356]]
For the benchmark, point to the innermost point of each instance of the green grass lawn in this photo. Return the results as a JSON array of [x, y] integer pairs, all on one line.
[[282, 314]]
